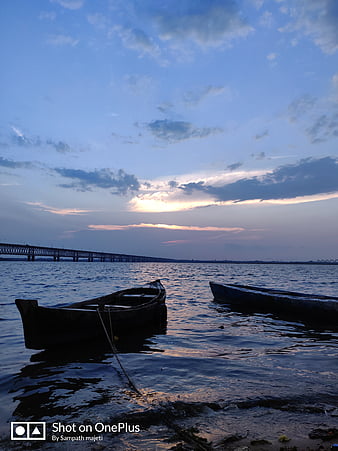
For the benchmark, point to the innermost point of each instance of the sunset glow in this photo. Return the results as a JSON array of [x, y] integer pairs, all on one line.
[[166, 226], [198, 128], [58, 211]]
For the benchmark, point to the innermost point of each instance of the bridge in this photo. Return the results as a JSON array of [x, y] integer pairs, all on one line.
[[56, 254]]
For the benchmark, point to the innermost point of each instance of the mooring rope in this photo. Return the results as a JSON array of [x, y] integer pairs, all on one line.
[[185, 435], [115, 352]]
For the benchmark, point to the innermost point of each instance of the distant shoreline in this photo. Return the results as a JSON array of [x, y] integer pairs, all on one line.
[[241, 262]]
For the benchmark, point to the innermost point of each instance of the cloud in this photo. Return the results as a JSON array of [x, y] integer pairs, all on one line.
[[19, 138], [69, 4], [58, 211], [139, 84], [257, 3], [316, 19], [120, 182], [157, 29], [266, 19], [175, 242], [324, 127], [319, 118], [98, 20], [164, 195], [309, 177], [209, 23], [165, 107], [125, 139], [334, 87], [61, 39], [262, 135], [14, 164], [335, 80], [259, 155], [176, 131], [167, 227], [301, 106], [59, 146], [271, 56], [193, 98], [234, 166], [136, 39]]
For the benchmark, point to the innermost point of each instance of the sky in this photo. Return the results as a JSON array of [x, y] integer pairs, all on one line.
[[195, 129]]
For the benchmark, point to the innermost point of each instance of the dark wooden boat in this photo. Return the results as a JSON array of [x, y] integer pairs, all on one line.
[[123, 313], [289, 303]]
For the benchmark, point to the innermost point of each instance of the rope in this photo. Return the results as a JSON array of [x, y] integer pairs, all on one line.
[[115, 352], [185, 435]]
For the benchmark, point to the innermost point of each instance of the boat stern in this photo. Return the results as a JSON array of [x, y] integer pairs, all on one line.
[[28, 309]]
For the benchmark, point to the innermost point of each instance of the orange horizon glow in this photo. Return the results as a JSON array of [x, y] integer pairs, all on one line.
[[58, 211], [166, 226], [163, 203]]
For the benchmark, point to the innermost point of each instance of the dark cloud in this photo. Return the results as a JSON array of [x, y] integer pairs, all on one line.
[[59, 146], [157, 28], [207, 23], [319, 119], [124, 139], [261, 135], [301, 106], [14, 164], [120, 182], [323, 128], [165, 107], [234, 166], [259, 155], [175, 131], [172, 184], [306, 178], [23, 140], [189, 188]]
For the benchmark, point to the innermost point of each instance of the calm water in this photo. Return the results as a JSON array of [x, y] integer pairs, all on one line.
[[263, 376]]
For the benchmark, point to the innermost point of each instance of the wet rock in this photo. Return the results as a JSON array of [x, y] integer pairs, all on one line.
[[260, 442], [181, 447], [324, 434], [230, 439]]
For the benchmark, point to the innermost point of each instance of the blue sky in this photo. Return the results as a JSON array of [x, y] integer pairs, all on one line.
[[202, 129]]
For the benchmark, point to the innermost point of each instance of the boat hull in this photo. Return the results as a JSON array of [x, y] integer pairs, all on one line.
[[297, 305], [50, 327]]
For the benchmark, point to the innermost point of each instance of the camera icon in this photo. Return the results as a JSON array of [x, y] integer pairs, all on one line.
[[28, 430]]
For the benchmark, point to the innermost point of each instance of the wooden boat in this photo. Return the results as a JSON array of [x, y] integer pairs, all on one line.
[[126, 312], [296, 305]]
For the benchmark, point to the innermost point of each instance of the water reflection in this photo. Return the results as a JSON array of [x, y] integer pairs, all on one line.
[[68, 382], [307, 326]]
